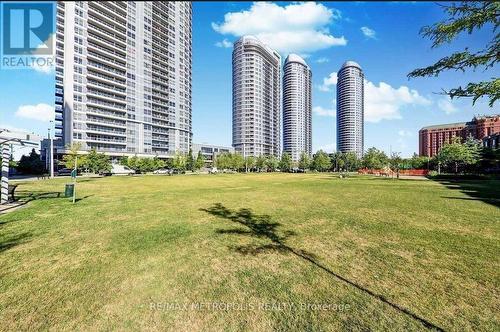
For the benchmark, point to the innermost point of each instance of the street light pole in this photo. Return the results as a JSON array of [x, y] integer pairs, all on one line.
[[51, 153]]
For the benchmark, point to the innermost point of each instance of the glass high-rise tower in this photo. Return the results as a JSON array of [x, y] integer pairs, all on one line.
[[350, 108], [297, 107], [256, 98], [123, 76]]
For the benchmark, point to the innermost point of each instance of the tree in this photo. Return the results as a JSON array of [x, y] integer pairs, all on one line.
[[133, 163], [418, 162], [69, 158], [31, 164], [190, 161], [124, 161], [374, 159], [466, 17], [337, 161], [91, 161], [158, 163], [200, 162], [97, 162], [260, 163], [169, 163], [179, 162], [249, 163], [474, 150], [395, 162], [321, 161], [272, 163], [350, 161], [286, 163], [145, 165], [223, 161], [457, 154], [304, 161], [490, 160], [236, 161]]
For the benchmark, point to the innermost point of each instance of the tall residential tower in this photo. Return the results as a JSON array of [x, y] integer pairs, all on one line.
[[350, 108], [256, 98], [123, 76], [297, 107]]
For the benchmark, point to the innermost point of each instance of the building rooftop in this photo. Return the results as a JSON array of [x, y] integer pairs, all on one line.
[[254, 40], [486, 117], [295, 58], [350, 64], [444, 126], [250, 37]]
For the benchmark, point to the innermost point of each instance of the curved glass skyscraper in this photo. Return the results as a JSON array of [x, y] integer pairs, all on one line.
[[297, 107], [350, 108], [256, 98]]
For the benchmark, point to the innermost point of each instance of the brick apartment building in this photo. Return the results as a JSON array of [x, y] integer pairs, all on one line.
[[432, 138]]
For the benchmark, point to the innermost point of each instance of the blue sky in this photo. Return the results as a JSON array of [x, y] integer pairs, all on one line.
[[382, 37]]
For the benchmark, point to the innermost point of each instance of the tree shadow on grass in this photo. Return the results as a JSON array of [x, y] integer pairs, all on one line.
[[24, 197], [34, 195], [7, 242], [482, 190], [27, 196], [262, 227]]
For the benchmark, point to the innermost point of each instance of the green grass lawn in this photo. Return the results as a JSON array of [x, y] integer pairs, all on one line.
[[253, 252]]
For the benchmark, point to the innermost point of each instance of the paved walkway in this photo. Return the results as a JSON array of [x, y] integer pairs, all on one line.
[[9, 207], [413, 177]]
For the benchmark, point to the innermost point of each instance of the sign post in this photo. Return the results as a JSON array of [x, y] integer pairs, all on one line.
[[73, 176]]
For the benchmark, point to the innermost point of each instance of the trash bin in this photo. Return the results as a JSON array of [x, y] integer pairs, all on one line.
[[68, 191]]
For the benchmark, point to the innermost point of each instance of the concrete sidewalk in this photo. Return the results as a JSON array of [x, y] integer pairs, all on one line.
[[12, 206], [412, 177]]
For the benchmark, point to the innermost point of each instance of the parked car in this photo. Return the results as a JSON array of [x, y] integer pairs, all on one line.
[[121, 170], [64, 172], [162, 171], [213, 170]]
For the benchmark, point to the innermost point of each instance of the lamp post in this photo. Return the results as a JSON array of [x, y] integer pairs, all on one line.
[[51, 152]]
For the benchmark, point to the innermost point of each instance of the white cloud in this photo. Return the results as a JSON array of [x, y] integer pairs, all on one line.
[[322, 60], [446, 105], [224, 43], [369, 33], [42, 65], [297, 27], [318, 110], [405, 133], [383, 102], [15, 129], [43, 68], [40, 112], [328, 82]]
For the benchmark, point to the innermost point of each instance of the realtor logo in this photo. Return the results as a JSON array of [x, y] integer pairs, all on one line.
[[27, 34]]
